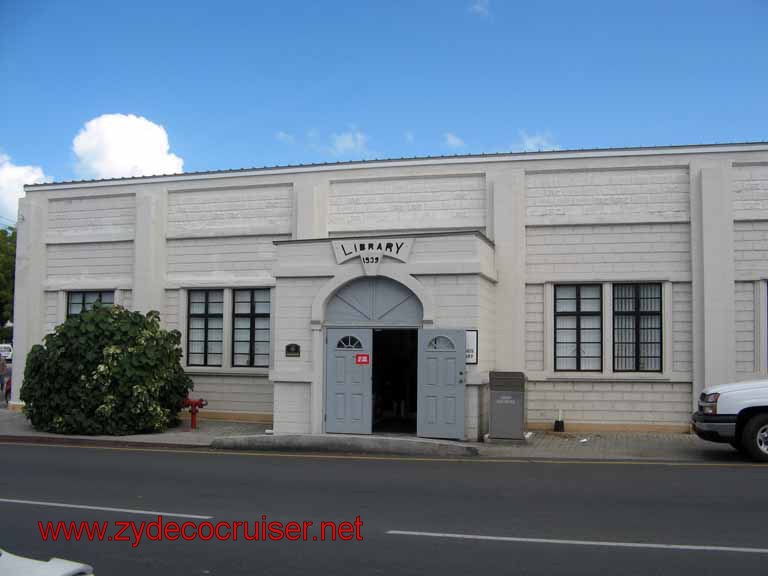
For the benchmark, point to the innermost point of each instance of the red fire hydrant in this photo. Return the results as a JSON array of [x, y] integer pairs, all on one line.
[[194, 407]]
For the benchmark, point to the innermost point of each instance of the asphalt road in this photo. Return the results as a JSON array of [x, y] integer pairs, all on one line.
[[567, 509]]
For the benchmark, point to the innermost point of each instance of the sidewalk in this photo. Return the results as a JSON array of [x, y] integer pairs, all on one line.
[[613, 446], [15, 427], [540, 445]]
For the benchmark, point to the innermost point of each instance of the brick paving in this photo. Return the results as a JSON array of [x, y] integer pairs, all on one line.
[[609, 446]]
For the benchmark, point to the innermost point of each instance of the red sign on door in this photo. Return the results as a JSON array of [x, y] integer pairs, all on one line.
[[362, 359]]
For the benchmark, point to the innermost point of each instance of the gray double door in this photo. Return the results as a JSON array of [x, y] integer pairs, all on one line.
[[441, 382]]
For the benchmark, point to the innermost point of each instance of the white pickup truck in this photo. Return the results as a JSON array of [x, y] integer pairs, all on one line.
[[735, 413]]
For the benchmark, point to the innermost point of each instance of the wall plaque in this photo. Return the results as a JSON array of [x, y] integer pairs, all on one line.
[[372, 251], [292, 350], [471, 347]]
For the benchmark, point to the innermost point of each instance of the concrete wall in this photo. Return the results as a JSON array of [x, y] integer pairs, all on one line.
[[750, 191], [534, 327], [450, 201], [229, 257], [605, 195], [601, 398], [750, 249], [231, 210], [235, 393], [610, 404], [681, 331], [618, 252], [169, 315], [745, 328], [70, 218], [750, 241], [605, 224], [51, 311], [293, 315], [92, 260], [125, 299]]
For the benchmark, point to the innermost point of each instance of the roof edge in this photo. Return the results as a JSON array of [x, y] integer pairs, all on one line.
[[414, 161]]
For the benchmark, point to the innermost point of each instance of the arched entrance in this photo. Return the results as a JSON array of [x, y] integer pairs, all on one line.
[[374, 301], [383, 372], [371, 357]]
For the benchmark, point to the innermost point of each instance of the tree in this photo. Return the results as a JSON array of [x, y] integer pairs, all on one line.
[[106, 371], [7, 274]]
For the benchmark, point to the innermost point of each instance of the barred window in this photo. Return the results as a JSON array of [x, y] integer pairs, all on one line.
[[205, 327], [78, 302], [578, 327], [637, 328], [250, 328]]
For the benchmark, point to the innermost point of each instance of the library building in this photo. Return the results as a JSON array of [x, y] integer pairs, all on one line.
[[377, 296]]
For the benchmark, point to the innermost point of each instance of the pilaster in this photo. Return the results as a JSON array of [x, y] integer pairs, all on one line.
[[310, 207], [509, 205], [149, 249], [29, 305], [712, 268]]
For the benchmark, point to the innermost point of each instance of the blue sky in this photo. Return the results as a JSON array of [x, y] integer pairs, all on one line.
[[237, 84]]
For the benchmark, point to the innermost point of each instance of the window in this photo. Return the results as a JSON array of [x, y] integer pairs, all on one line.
[[440, 343], [578, 327], [637, 327], [250, 328], [78, 302], [205, 327], [349, 343]]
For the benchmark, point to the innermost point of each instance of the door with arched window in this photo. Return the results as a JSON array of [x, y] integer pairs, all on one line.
[[349, 401], [442, 367]]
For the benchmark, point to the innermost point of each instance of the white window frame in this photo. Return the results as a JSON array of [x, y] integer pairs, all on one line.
[[66, 293], [607, 373], [226, 361]]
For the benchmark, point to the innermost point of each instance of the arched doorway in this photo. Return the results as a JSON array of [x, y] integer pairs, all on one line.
[[371, 357], [374, 301], [384, 372]]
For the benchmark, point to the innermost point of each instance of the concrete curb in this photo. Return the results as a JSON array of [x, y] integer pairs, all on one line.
[[96, 442], [346, 445]]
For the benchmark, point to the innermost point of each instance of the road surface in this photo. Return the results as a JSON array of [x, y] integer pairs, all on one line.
[[418, 516]]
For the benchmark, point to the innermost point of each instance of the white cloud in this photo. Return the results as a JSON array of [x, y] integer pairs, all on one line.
[[12, 180], [119, 145], [536, 142], [452, 140], [480, 7], [410, 137], [285, 137], [352, 142]]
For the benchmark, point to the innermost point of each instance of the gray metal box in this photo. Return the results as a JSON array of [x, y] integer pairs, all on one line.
[[508, 405]]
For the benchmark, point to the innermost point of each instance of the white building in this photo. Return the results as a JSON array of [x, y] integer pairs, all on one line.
[[337, 298]]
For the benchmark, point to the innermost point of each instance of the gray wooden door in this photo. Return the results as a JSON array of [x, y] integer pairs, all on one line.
[[442, 356], [348, 389]]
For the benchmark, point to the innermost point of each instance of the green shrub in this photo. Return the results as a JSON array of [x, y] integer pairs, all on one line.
[[106, 371]]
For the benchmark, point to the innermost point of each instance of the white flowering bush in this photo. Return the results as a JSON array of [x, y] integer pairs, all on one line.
[[106, 371]]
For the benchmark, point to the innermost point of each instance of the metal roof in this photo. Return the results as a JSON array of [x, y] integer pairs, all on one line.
[[680, 148]]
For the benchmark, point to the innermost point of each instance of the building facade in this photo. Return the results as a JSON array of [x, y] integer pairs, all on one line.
[[377, 296]]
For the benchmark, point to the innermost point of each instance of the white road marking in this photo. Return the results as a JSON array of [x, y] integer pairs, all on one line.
[[104, 508], [582, 542]]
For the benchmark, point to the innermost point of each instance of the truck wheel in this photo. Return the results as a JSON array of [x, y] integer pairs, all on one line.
[[754, 437]]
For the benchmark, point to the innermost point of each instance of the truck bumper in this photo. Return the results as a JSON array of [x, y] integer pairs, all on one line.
[[720, 428]]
